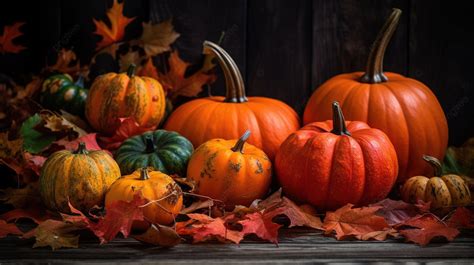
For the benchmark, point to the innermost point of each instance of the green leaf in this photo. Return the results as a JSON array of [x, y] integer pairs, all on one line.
[[34, 141]]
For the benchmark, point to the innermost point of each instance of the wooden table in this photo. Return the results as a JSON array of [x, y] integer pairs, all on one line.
[[299, 246]]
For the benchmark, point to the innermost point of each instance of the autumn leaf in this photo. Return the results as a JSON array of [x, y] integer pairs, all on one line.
[[119, 217], [175, 82], [66, 62], [354, 222], [33, 140], [35, 214], [426, 228], [9, 34], [197, 205], [396, 212], [116, 31], [89, 139], [25, 197], [294, 213], [8, 229], [55, 234], [131, 57], [9, 148], [148, 69], [261, 225], [157, 38], [461, 218], [128, 127], [159, 235], [57, 123]]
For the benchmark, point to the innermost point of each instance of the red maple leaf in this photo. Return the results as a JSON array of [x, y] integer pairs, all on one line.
[[89, 139], [36, 215], [261, 225], [128, 127], [116, 31], [8, 229], [396, 212], [461, 218], [427, 227], [9, 34], [354, 222]]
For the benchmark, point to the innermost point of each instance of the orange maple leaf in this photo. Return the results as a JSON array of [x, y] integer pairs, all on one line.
[[148, 69], [65, 63], [175, 83], [116, 31], [9, 34]]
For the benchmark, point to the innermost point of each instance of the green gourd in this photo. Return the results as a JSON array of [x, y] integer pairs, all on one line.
[[61, 92]]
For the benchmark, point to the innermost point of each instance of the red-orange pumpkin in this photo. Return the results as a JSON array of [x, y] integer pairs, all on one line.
[[200, 120], [404, 108], [328, 165], [113, 96]]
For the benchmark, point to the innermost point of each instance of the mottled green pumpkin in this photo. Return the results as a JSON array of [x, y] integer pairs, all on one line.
[[61, 92], [166, 151], [81, 177]]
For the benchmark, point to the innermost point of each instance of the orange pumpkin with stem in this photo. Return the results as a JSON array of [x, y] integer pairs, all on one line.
[[113, 96], [200, 120], [230, 171], [404, 108]]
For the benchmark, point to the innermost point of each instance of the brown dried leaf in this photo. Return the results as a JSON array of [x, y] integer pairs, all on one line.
[[157, 38]]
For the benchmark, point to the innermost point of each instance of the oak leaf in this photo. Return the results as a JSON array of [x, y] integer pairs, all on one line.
[[116, 31], [157, 38], [9, 34], [8, 229], [354, 222], [426, 228]]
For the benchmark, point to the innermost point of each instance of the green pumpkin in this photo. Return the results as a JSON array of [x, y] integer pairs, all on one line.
[[162, 150], [60, 92]]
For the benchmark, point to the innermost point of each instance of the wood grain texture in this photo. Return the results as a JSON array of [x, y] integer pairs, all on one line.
[[295, 246], [279, 51]]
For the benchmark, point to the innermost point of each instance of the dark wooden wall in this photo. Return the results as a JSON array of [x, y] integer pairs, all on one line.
[[284, 48]]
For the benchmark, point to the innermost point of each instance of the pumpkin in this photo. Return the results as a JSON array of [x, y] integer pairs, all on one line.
[[113, 96], [154, 186], [162, 150], [200, 120], [61, 92], [332, 163], [230, 171], [81, 177], [443, 191], [404, 108]]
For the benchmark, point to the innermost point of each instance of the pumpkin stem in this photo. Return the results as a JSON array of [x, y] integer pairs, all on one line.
[[338, 121], [434, 162], [374, 72], [131, 70], [81, 149], [235, 88], [80, 81], [150, 145], [239, 146], [144, 173]]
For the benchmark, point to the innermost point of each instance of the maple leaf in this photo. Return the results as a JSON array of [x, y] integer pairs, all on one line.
[[36, 214], [131, 57], [148, 69], [9, 34], [427, 227], [206, 204], [261, 225], [35, 162], [380, 235], [116, 31], [22, 198], [294, 213], [203, 228], [119, 217], [55, 234], [66, 62], [159, 235], [461, 218], [128, 127], [358, 222], [9, 148], [177, 84], [396, 212], [157, 38], [57, 123], [8, 229], [89, 139]]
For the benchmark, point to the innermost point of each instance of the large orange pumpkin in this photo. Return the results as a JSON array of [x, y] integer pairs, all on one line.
[[200, 120], [113, 96], [404, 108], [230, 170], [328, 165]]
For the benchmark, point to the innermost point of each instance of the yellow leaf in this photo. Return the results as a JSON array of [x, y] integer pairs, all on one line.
[[116, 31], [157, 38]]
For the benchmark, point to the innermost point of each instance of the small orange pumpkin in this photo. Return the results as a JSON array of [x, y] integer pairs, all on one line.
[[231, 171], [154, 186], [113, 96], [443, 191]]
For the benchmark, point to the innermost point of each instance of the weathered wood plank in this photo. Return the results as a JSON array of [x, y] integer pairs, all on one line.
[[441, 56], [279, 50]]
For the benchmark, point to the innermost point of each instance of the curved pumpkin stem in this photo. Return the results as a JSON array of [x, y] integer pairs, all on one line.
[[144, 173], [374, 72], [239, 146], [235, 88], [434, 162], [131, 70], [338, 121], [81, 149], [150, 144]]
